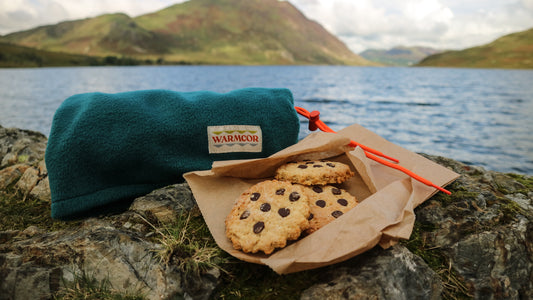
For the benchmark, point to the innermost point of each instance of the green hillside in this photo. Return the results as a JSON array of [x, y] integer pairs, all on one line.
[[199, 31], [513, 51], [110, 34]]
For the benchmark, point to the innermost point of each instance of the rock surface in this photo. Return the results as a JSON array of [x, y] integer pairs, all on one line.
[[119, 249], [20, 146], [476, 243], [395, 273]]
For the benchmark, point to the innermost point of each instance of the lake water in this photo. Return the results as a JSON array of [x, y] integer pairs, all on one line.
[[480, 117]]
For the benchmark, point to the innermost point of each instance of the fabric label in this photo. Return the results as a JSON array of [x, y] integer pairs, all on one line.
[[235, 138]]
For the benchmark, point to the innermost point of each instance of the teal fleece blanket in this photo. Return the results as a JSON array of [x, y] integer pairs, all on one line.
[[106, 149]]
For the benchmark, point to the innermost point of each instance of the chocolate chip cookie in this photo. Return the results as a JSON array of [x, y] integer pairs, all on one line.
[[314, 172], [327, 203], [268, 215]]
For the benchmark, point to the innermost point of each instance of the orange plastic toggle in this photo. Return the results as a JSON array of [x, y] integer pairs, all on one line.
[[313, 119]]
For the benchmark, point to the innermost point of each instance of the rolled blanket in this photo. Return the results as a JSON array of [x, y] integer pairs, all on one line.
[[106, 149]]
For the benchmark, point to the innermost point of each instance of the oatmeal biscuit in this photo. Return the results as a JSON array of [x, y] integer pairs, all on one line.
[[327, 203], [314, 172], [267, 215]]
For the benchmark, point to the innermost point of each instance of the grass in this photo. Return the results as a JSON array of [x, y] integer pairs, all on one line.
[[527, 181], [86, 287], [188, 244], [252, 281], [18, 213], [508, 210]]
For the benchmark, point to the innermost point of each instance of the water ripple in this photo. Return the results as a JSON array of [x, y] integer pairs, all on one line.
[[478, 116]]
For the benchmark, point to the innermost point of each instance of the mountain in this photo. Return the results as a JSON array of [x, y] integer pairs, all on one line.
[[199, 31], [398, 56], [514, 51]]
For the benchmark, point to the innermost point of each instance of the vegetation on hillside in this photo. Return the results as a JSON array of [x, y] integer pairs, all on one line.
[[513, 51], [14, 56]]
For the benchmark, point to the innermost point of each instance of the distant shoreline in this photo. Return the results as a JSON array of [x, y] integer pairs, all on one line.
[[16, 56]]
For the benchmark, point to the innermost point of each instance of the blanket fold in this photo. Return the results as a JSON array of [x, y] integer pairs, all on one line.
[[106, 149]]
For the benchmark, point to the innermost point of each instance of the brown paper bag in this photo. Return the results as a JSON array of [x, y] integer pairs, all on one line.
[[387, 198]]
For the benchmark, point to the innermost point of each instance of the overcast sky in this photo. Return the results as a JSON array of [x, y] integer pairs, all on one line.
[[361, 24]]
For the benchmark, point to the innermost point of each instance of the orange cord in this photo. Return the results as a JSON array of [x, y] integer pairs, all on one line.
[[408, 172], [315, 123]]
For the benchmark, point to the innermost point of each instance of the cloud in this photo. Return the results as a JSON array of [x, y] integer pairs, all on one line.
[[18, 15], [445, 24], [367, 24], [24, 14]]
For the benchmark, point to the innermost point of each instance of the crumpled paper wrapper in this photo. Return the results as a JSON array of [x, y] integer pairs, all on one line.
[[384, 215]]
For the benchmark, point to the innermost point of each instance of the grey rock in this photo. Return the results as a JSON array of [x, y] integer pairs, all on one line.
[[476, 243], [494, 265], [166, 203], [123, 258], [42, 191], [21, 146], [484, 231], [11, 175], [28, 180], [395, 273], [482, 235]]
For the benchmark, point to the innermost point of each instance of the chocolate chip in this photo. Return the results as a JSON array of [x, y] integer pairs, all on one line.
[[294, 196], [284, 212], [336, 213], [255, 196], [335, 191], [280, 192], [302, 166], [265, 207], [317, 189], [258, 227], [343, 202], [317, 166], [310, 217], [309, 162], [245, 215], [320, 203], [331, 165]]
